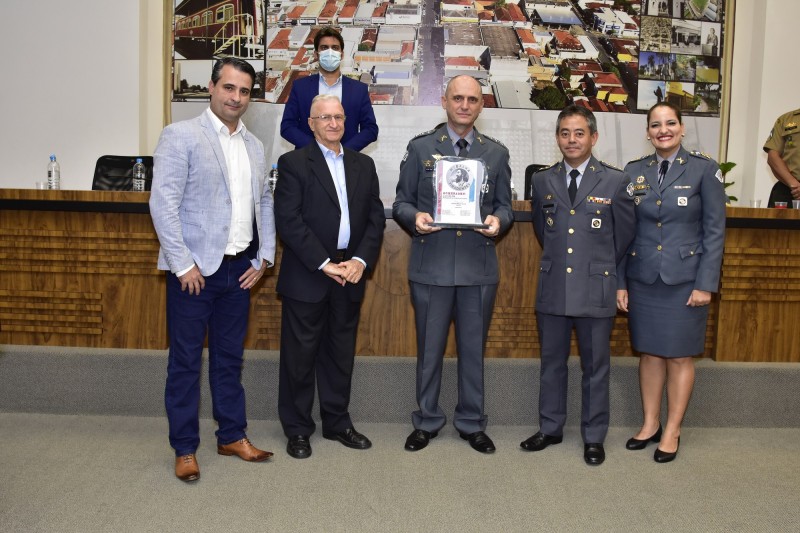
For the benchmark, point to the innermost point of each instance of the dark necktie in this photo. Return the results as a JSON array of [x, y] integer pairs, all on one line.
[[573, 184], [662, 171], [462, 148]]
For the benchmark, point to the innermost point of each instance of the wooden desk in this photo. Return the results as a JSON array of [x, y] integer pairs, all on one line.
[[78, 268], [759, 304]]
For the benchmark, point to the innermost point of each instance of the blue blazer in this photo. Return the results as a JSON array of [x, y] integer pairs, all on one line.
[[680, 230], [360, 127]]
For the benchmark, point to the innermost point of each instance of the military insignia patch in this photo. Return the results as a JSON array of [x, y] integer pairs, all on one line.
[[718, 175], [681, 161], [640, 179], [637, 200], [405, 156], [548, 197], [629, 189], [791, 126], [428, 164], [683, 201], [442, 138], [550, 221], [596, 223]]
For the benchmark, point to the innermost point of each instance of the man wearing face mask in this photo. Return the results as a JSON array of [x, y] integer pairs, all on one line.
[[360, 128]]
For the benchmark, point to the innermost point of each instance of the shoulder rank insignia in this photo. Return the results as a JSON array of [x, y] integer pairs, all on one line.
[[640, 158], [423, 134], [480, 140], [701, 155], [609, 165], [790, 126]]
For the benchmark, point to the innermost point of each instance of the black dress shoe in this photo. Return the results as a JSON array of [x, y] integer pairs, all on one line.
[[665, 457], [593, 453], [479, 441], [540, 441], [637, 444], [350, 438], [299, 447], [418, 439]]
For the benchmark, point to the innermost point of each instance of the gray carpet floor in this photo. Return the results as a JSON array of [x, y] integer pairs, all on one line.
[[70, 473]]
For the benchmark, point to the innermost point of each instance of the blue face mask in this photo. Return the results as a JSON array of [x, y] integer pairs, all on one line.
[[330, 60]]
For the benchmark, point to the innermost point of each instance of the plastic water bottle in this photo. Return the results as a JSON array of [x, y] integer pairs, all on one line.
[[513, 191], [273, 177], [139, 174], [53, 174]]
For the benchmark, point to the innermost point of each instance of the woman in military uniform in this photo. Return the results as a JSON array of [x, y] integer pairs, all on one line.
[[672, 268]]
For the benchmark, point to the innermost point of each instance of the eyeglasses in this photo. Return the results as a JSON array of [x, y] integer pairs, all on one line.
[[330, 118]]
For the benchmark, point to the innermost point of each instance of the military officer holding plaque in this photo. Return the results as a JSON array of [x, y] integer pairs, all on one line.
[[454, 197]]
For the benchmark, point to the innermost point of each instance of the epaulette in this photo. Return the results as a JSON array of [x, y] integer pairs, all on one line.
[[701, 155], [548, 167], [491, 139], [639, 158], [423, 134], [609, 165]]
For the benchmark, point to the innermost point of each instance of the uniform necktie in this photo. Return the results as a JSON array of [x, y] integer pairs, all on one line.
[[573, 184], [462, 148], [662, 171]]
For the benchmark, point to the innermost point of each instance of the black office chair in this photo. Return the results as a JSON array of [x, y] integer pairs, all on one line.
[[115, 173], [529, 172]]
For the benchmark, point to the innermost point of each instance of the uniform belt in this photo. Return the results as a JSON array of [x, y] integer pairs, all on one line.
[[339, 256], [234, 257]]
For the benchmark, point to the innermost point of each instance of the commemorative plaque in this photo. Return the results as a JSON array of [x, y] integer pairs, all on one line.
[[458, 187]]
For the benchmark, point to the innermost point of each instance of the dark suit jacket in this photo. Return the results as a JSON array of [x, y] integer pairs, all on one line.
[[360, 127], [451, 257], [307, 218], [581, 243], [681, 225]]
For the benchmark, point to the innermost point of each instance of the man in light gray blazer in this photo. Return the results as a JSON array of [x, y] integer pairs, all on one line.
[[583, 216], [213, 214]]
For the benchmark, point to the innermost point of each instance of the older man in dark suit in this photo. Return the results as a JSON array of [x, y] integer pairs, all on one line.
[[453, 273], [330, 218], [584, 219]]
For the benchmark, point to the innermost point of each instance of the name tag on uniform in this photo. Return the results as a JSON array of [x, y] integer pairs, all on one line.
[[683, 186], [683, 201], [596, 223]]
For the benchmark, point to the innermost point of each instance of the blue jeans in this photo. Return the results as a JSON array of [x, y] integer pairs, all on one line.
[[221, 310]]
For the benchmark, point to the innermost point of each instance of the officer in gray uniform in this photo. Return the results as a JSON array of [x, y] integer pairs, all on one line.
[[452, 273], [783, 157], [583, 216]]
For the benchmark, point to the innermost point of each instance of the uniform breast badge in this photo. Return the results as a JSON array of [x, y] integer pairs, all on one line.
[[596, 223], [683, 201], [550, 221]]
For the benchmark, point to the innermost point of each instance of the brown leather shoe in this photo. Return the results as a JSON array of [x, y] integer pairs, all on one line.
[[244, 449], [186, 468]]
